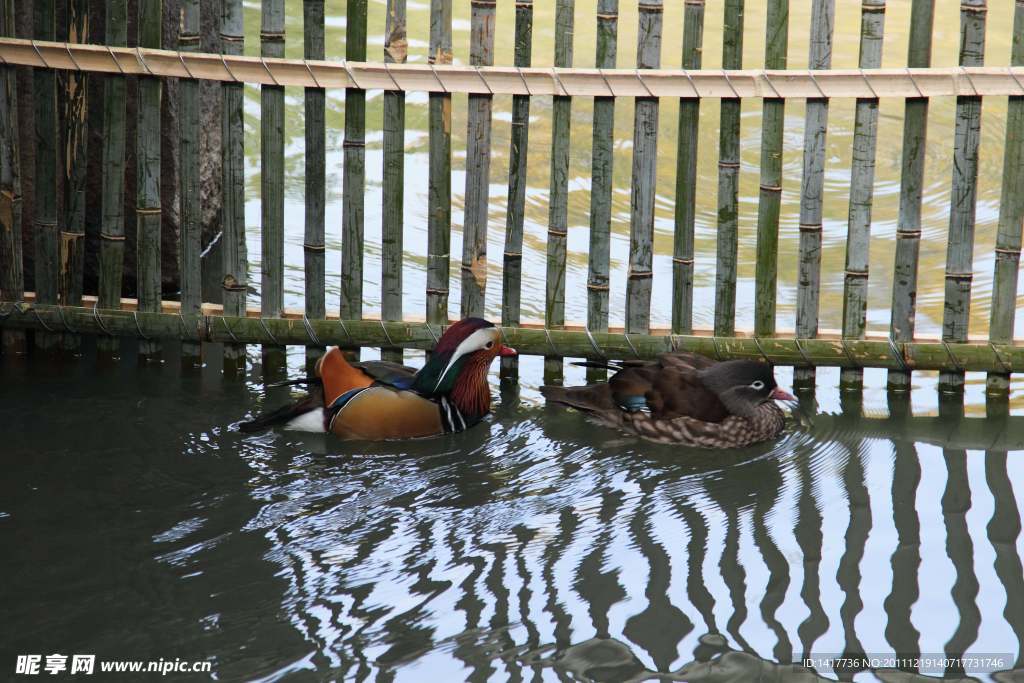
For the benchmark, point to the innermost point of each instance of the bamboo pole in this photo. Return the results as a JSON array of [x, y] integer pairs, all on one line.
[[236, 261], [188, 153], [1011, 213], [316, 162], [960, 246], [686, 175], [862, 177], [602, 165], [354, 172], [74, 108], [213, 326], [812, 186], [513, 258], [44, 97], [12, 276], [112, 225], [478, 165], [728, 176], [272, 183], [148, 211], [773, 121], [396, 48], [439, 198], [908, 227], [558, 202]]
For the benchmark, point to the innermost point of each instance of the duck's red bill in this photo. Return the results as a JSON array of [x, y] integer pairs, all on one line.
[[507, 351], [780, 395]]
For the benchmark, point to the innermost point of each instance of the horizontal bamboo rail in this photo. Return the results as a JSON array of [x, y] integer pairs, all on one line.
[[510, 80], [529, 339]]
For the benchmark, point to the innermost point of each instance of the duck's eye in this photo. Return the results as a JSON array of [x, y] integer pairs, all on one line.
[[489, 345], [757, 385]]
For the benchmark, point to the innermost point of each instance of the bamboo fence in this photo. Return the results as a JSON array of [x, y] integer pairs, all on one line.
[[59, 309]]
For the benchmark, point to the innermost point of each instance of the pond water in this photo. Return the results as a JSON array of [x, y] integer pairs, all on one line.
[[138, 523]]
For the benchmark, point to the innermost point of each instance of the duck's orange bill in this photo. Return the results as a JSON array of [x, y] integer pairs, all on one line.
[[781, 395], [507, 351]]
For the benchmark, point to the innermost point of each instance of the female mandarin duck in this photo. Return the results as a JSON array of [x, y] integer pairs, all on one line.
[[684, 398], [378, 400]]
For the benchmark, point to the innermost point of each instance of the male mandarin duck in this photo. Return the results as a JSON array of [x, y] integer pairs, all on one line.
[[684, 398], [377, 400]]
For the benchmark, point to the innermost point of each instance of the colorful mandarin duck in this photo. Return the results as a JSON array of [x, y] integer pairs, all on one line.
[[378, 400], [683, 398]]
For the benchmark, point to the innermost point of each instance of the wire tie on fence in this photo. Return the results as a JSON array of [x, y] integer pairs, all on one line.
[[114, 59], [696, 92], [387, 336], [40, 319], [181, 58], [142, 60], [266, 329], [184, 326], [1009, 70], [897, 354], [760, 349], [344, 329], [227, 68], [310, 331], [768, 80], [387, 70], [135, 315], [99, 318], [351, 76], [558, 81], [1007, 368], [522, 77], [67, 46], [815, 82], [487, 85], [970, 80], [914, 83], [593, 342], [728, 82], [849, 356], [868, 83], [608, 85], [630, 342], [952, 358], [269, 72], [46, 65], [547, 335], [714, 343], [63, 320], [643, 83], [227, 327], [433, 70], [803, 354], [316, 82]]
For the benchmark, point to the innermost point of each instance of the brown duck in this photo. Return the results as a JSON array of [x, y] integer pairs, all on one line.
[[683, 398]]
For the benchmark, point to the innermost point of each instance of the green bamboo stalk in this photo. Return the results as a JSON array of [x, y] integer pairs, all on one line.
[[354, 172], [862, 178], [645, 173], [112, 225], [871, 352], [478, 165], [603, 162], [272, 183], [517, 175], [236, 261], [773, 121], [439, 197], [74, 108], [558, 206], [960, 247], [1011, 213], [396, 47], [728, 177], [812, 187], [188, 152], [908, 227], [316, 162], [148, 210], [45, 231], [686, 175], [12, 276]]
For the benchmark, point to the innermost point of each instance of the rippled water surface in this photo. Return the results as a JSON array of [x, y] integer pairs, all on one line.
[[136, 522]]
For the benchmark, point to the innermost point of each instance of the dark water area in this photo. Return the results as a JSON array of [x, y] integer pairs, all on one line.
[[137, 523]]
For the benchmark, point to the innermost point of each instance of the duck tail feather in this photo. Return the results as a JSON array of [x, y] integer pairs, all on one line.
[[589, 398], [286, 413]]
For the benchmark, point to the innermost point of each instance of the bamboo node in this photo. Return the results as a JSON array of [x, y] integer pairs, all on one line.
[[272, 36], [437, 291], [483, 3], [771, 188], [952, 275], [867, 8], [557, 233], [978, 9], [513, 254], [188, 38], [524, 4], [640, 275], [728, 164], [608, 16], [686, 261], [810, 227], [353, 143], [908, 234], [857, 273], [596, 287], [650, 9], [148, 210], [1011, 254], [314, 247], [112, 238]]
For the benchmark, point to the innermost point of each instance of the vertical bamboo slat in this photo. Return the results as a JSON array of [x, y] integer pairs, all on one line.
[[12, 276], [478, 165], [439, 198], [773, 120], [316, 163], [862, 178], [44, 95], [272, 183], [960, 247], [686, 176], [74, 102], [354, 173], [645, 174], [812, 187], [236, 261], [148, 211], [908, 226], [395, 50], [728, 177], [602, 164], [513, 260], [1011, 212], [112, 221], [189, 208], [558, 202]]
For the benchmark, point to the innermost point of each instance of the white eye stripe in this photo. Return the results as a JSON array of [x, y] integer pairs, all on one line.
[[473, 342], [757, 385]]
